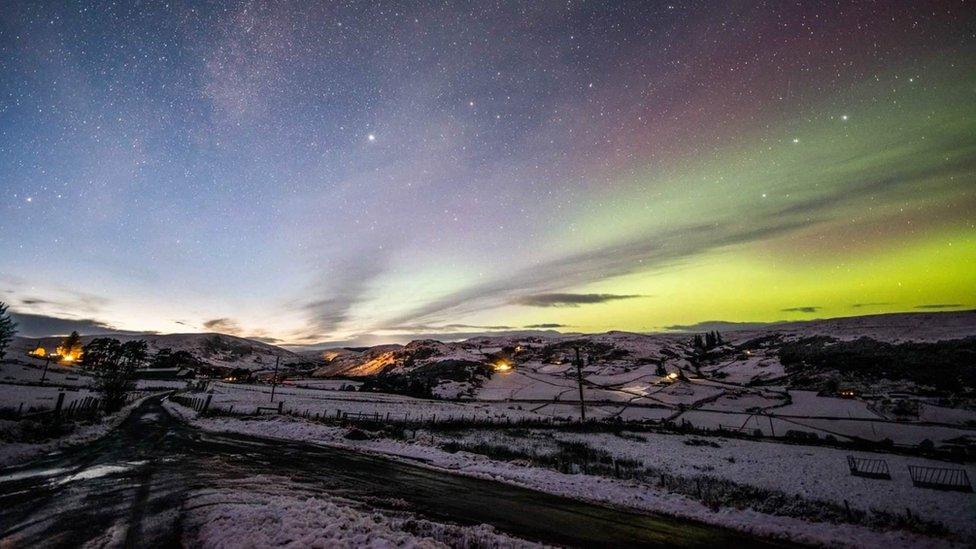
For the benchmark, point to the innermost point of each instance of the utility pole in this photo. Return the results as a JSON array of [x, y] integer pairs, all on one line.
[[579, 380], [44, 375], [274, 380]]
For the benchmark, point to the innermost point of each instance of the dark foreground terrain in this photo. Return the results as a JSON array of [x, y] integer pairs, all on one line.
[[130, 488]]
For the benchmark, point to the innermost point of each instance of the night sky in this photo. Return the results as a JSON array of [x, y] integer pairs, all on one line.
[[371, 171]]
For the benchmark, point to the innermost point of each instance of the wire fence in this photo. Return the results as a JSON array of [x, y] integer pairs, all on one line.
[[81, 408]]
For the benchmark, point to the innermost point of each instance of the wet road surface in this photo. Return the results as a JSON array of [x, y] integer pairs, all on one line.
[[128, 489]]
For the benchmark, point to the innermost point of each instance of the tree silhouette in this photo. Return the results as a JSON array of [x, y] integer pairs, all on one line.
[[7, 329], [114, 364], [661, 370], [71, 346]]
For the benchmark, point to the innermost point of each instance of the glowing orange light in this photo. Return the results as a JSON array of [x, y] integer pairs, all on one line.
[[67, 355], [502, 366], [673, 376], [39, 352]]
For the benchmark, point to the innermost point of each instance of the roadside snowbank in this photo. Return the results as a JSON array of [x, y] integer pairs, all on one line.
[[12, 453], [293, 516]]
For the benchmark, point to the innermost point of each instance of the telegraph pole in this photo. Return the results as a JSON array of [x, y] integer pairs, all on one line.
[[44, 375], [579, 381], [274, 380]]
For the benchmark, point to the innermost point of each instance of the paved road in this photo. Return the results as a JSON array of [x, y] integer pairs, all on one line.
[[128, 489]]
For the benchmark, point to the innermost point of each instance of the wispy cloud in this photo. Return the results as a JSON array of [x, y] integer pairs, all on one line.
[[569, 300], [871, 304], [804, 309], [720, 325], [546, 326], [223, 325], [940, 306], [653, 250], [446, 327], [343, 284], [61, 301], [35, 325], [265, 339]]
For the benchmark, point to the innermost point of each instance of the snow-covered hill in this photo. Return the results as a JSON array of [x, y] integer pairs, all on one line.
[[217, 350], [887, 327], [626, 360]]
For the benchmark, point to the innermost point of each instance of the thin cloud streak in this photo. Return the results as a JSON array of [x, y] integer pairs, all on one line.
[[569, 300]]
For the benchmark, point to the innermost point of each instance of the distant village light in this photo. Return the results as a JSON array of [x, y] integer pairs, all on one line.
[[502, 366], [38, 352], [673, 376], [67, 355]]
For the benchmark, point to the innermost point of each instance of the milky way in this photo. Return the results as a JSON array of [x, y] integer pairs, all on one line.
[[310, 173]]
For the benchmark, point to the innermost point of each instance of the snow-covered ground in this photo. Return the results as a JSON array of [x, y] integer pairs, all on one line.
[[328, 402], [26, 397], [268, 511], [888, 327], [324, 384], [808, 403], [33, 371], [816, 473], [12, 452], [704, 404], [905, 434]]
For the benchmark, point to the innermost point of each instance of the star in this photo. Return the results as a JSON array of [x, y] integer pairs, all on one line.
[[371, 137]]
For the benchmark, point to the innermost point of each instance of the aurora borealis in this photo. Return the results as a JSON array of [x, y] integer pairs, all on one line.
[[370, 172]]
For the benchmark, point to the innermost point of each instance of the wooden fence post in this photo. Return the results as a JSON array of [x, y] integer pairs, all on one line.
[[206, 405], [57, 407]]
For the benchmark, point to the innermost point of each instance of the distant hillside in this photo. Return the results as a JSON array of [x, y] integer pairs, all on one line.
[[217, 350], [894, 327], [746, 356], [794, 353]]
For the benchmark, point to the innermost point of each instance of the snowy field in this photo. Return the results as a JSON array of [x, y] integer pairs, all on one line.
[[245, 397], [32, 373], [906, 434], [808, 403], [706, 405], [814, 473], [39, 398], [328, 402], [324, 384], [20, 384]]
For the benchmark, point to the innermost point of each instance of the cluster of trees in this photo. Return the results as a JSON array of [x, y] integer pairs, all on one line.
[[114, 364], [707, 341], [167, 358], [8, 328], [421, 381], [947, 366], [71, 346]]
